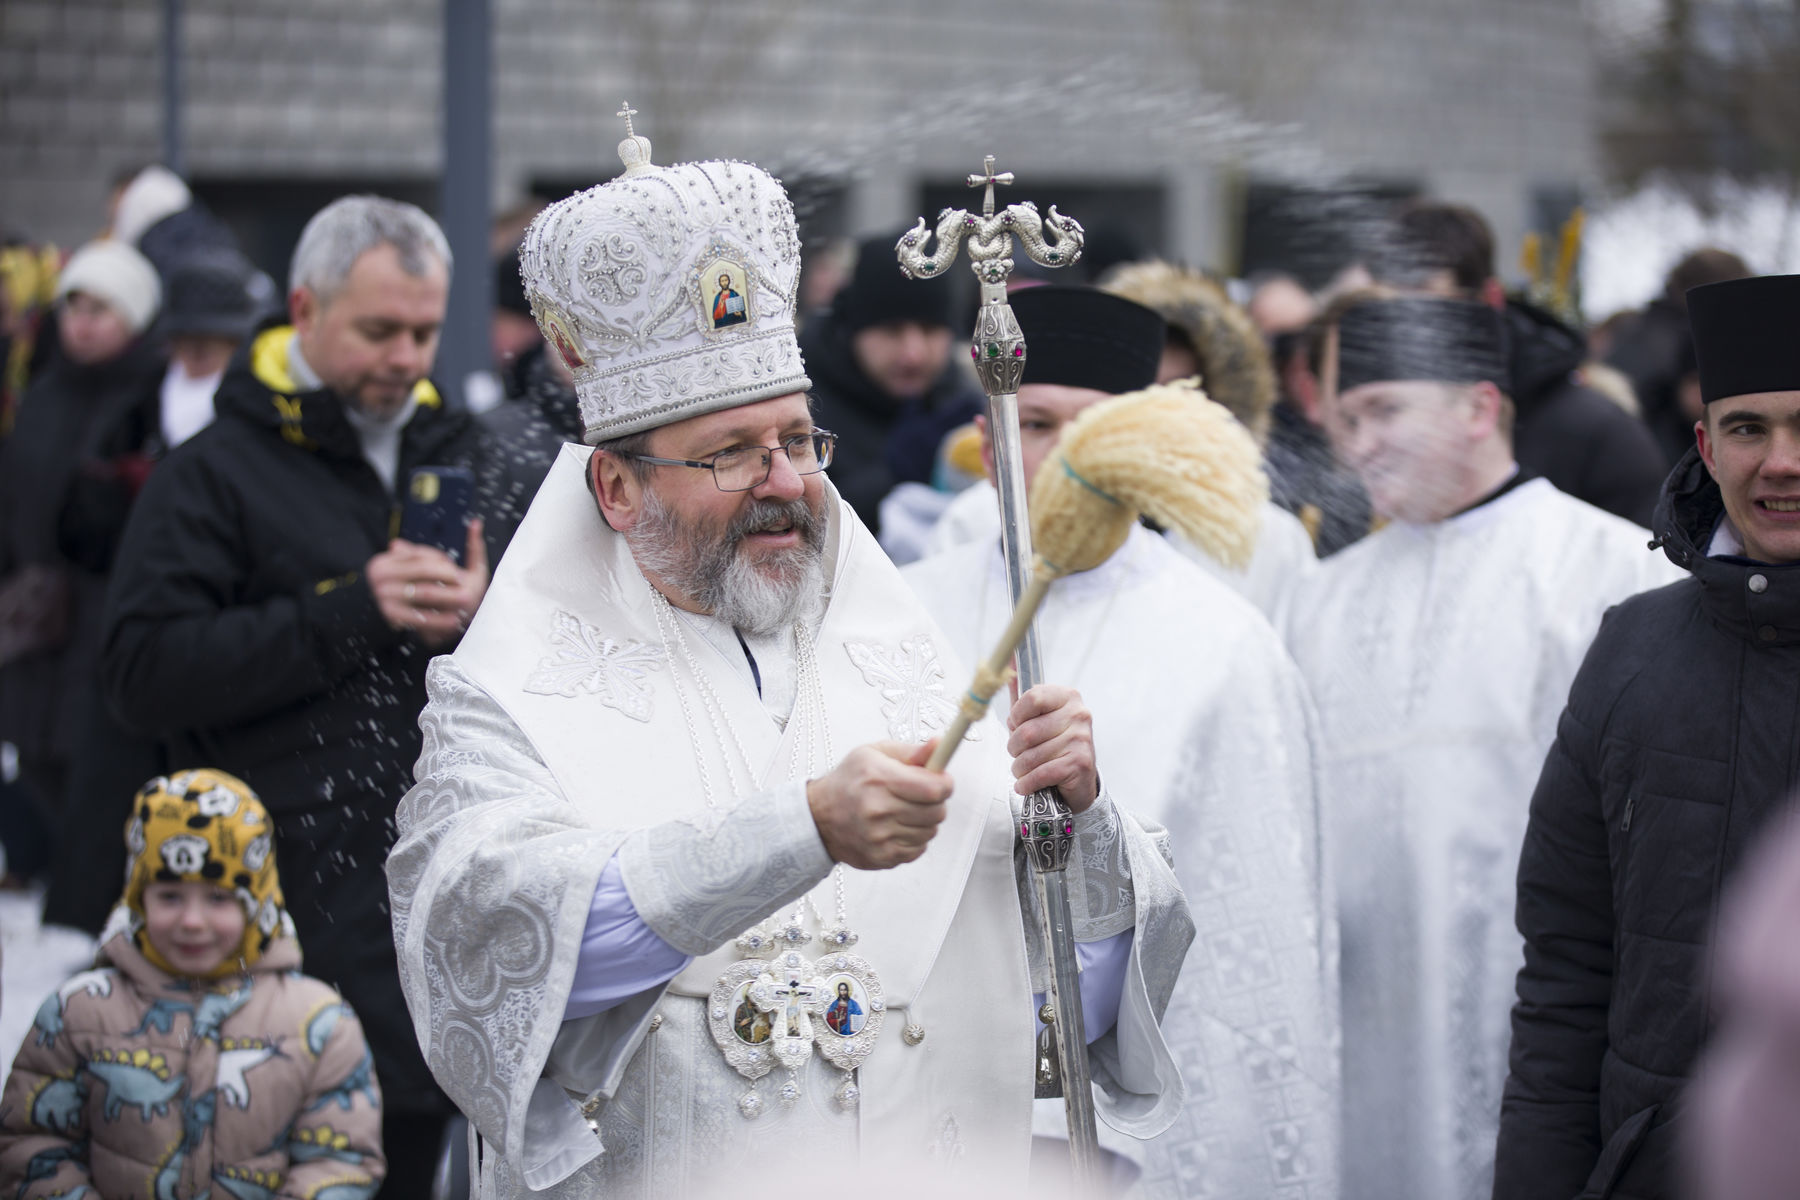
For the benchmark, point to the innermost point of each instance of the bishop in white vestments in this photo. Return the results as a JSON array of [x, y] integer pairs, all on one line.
[[1202, 722], [1439, 652], [679, 910]]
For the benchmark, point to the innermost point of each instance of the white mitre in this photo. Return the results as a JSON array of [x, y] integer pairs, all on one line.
[[669, 291]]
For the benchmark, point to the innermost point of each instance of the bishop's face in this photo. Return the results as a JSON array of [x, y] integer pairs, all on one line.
[[1407, 442], [1751, 444], [750, 558]]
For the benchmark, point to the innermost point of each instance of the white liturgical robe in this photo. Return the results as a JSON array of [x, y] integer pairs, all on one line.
[[583, 722], [1201, 720], [1439, 658]]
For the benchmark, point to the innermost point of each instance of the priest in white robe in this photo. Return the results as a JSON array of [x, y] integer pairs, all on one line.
[[1201, 718], [1439, 653], [679, 910]]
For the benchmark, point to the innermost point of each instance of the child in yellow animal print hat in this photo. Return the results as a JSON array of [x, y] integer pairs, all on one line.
[[201, 888], [195, 1057]]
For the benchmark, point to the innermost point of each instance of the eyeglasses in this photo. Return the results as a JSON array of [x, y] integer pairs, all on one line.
[[749, 466]]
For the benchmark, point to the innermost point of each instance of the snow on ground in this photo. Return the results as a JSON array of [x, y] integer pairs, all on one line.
[[1630, 242], [34, 961]]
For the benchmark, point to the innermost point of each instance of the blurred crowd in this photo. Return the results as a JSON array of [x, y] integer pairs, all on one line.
[[177, 591]]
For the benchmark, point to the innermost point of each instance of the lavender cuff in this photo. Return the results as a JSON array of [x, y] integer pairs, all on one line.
[[620, 955]]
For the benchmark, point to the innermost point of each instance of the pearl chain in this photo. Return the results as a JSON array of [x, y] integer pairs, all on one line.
[[809, 714]]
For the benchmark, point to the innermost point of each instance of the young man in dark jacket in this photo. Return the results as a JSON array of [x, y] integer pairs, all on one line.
[[1681, 738], [264, 619]]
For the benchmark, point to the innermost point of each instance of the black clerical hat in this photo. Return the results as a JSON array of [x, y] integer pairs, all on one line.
[[1081, 337], [1420, 338], [1747, 335]]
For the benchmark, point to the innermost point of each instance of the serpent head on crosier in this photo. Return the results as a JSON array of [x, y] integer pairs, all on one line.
[[1054, 241]]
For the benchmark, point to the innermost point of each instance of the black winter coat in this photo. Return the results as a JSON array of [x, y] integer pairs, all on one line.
[[521, 439], [240, 628], [1680, 740], [882, 441], [1570, 434], [64, 418], [1655, 350], [109, 762]]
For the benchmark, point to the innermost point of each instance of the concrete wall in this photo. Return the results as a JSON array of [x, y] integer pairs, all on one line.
[[1477, 101]]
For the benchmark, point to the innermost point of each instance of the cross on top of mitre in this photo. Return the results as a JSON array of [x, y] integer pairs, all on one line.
[[634, 151], [988, 179]]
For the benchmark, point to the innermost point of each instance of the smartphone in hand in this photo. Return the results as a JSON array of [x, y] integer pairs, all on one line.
[[436, 512]]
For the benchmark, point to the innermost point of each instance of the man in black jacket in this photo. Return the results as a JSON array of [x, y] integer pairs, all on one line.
[[1681, 738], [884, 378], [263, 618], [1566, 432]]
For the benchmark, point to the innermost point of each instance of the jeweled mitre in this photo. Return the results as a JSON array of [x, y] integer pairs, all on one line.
[[669, 291]]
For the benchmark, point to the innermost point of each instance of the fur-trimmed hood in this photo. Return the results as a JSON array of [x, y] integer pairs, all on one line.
[[1234, 363]]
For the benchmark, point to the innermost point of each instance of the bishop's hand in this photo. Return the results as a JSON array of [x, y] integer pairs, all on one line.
[[1052, 745], [879, 807]]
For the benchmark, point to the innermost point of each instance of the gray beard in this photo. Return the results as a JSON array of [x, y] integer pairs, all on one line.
[[712, 571]]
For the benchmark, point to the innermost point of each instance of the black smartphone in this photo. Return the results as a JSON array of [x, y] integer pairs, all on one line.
[[436, 512]]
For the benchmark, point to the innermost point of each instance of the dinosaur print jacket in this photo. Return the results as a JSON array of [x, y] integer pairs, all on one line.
[[137, 1085]]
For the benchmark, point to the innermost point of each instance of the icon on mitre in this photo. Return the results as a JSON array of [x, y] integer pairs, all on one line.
[[556, 331], [725, 294]]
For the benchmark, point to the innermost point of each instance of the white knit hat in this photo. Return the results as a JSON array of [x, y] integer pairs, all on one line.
[[669, 292], [112, 271], [153, 194]]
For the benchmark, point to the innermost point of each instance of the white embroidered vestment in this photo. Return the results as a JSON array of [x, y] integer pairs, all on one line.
[[1439, 658], [1201, 723], [568, 729]]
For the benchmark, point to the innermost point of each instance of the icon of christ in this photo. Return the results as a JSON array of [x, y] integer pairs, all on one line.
[[844, 1015], [728, 306]]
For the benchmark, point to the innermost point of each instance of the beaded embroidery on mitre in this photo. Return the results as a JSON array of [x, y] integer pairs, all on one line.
[[669, 291]]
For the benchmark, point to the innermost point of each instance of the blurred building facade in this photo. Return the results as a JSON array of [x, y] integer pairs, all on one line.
[[1186, 122]]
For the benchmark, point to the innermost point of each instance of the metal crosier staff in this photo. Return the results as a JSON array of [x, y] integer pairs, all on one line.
[[1046, 825]]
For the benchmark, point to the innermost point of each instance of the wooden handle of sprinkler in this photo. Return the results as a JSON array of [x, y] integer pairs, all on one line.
[[993, 674]]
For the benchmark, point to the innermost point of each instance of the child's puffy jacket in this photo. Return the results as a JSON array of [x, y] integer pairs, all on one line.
[[136, 1084]]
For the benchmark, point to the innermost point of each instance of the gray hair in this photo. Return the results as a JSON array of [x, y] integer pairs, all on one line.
[[349, 227], [627, 448]]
